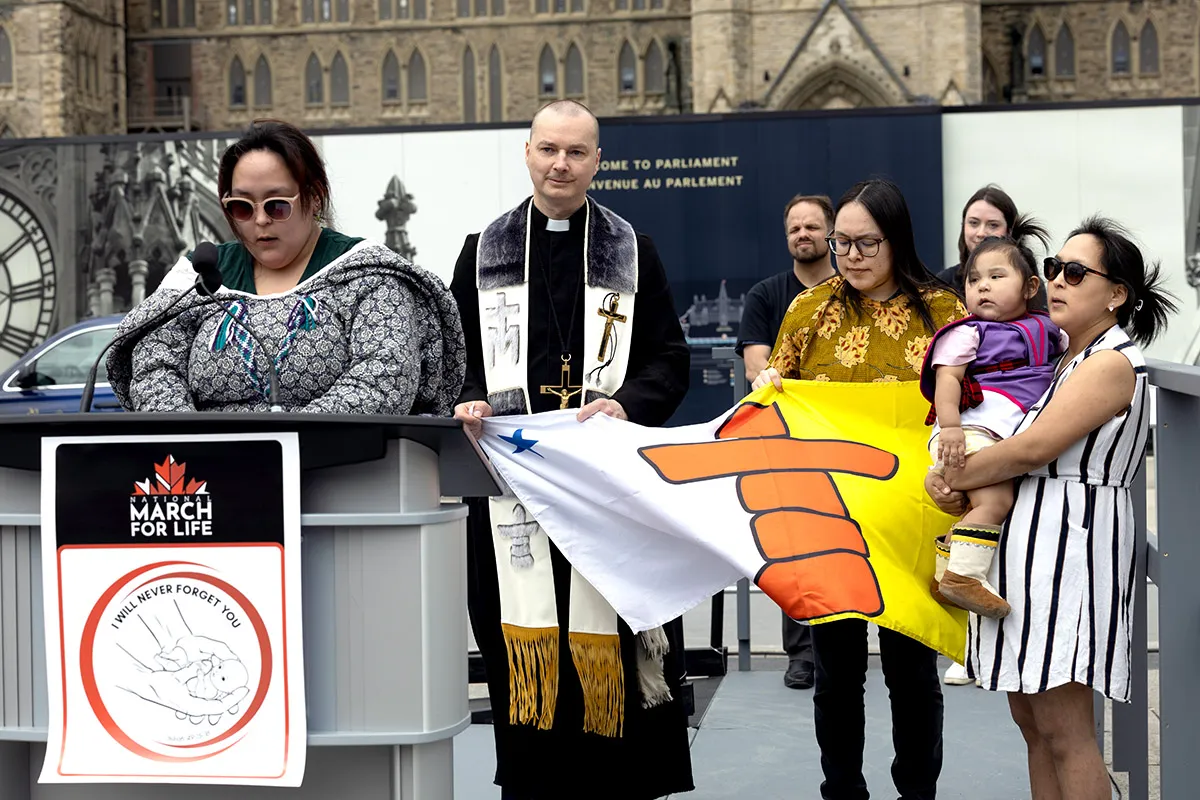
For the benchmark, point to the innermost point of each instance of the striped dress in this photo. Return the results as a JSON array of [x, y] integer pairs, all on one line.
[[1065, 561]]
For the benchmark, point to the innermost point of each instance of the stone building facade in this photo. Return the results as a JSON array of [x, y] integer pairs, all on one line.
[[62, 67], [1080, 51], [112, 66], [328, 63], [794, 54]]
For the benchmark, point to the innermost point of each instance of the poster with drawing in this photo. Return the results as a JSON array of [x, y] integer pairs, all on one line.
[[171, 568]]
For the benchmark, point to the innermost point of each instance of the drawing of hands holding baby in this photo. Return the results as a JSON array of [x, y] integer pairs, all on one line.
[[197, 677]]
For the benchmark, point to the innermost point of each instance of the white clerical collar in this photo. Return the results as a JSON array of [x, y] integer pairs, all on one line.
[[558, 225]]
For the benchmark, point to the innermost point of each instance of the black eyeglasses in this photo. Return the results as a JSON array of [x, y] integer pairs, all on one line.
[[841, 247], [279, 209], [1073, 272]]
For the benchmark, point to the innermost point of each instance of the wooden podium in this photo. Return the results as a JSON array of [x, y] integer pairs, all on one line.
[[384, 600]]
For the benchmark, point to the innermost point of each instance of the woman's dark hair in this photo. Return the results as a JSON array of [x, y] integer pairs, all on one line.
[[1144, 313], [298, 153], [1014, 245], [885, 203], [994, 196]]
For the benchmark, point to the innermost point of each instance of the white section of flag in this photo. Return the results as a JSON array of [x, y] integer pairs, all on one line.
[[654, 550]]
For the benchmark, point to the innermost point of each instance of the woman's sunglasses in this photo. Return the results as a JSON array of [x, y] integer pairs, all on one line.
[[278, 209], [1073, 272]]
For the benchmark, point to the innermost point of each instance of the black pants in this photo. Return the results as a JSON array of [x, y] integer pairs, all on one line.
[[797, 640], [910, 672]]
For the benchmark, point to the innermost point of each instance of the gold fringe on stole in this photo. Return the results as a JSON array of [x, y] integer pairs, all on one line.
[[597, 658], [532, 674]]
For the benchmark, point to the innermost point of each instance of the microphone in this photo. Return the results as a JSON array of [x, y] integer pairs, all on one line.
[[207, 290], [204, 262]]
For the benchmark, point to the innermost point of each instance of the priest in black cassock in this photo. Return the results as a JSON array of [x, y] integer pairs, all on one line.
[[564, 305]]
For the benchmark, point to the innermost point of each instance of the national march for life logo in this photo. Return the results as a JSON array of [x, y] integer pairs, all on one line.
[[166, 505], [175, 660]]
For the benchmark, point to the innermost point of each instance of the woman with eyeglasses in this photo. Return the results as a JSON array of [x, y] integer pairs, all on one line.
[[350, 326], [871, 322], [1066, 551]]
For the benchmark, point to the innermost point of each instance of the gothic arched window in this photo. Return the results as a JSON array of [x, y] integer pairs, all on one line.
[[237, 84], [6, 59], [1064, 53], [547, 73], [1037, 52], [262, 83], [574, 72], [655, 79], [314, 82], [495, 86], [627, 70], [339, 81], [1148, 49], [468, 85], [391, 78], [1120, 50], [418, 91]]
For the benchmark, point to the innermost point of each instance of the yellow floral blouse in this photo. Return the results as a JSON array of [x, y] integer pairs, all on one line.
[[823, 340]]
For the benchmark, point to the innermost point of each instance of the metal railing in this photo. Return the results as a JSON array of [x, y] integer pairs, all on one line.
[[1168, 555], [741, 388], [173, 109]]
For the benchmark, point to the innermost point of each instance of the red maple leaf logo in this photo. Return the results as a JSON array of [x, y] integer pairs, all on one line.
[[169, 480]]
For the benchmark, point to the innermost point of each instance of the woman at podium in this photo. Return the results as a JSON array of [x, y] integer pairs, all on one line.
[[305, 319]]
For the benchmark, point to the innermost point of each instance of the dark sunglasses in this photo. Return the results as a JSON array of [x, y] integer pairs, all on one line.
[[278, 209], [1073, 272]]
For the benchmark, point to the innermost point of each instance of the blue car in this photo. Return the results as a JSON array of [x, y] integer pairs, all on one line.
[[50, 378]]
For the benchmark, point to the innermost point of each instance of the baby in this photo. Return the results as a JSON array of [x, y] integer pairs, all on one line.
[[981, 374], [205, 667], [212, 678]]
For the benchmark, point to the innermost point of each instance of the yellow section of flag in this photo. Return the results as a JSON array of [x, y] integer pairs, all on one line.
[[815, 493], [834, 475]]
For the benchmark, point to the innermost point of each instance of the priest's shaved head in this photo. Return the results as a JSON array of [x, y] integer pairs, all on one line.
[[569, 108], [562, 154]]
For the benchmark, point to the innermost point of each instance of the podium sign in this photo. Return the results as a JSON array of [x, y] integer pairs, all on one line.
[[171, 567]]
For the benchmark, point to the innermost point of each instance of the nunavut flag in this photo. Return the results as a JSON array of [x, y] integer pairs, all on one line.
[[816, 494]]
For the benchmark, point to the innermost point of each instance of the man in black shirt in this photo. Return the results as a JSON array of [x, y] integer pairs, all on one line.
[[808, 219]]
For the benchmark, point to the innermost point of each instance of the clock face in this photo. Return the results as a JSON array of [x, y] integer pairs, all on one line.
[[27, 281]]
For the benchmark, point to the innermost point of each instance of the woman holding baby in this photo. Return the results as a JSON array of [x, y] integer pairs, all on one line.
[[1066, 552]]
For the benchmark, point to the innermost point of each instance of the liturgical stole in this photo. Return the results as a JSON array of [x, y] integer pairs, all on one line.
[[528, 611]]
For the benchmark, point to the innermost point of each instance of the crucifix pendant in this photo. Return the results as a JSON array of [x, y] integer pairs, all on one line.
[[608, 310], [564, 391]]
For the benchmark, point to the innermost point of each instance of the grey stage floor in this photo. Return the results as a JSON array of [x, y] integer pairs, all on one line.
[[756, 740]]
